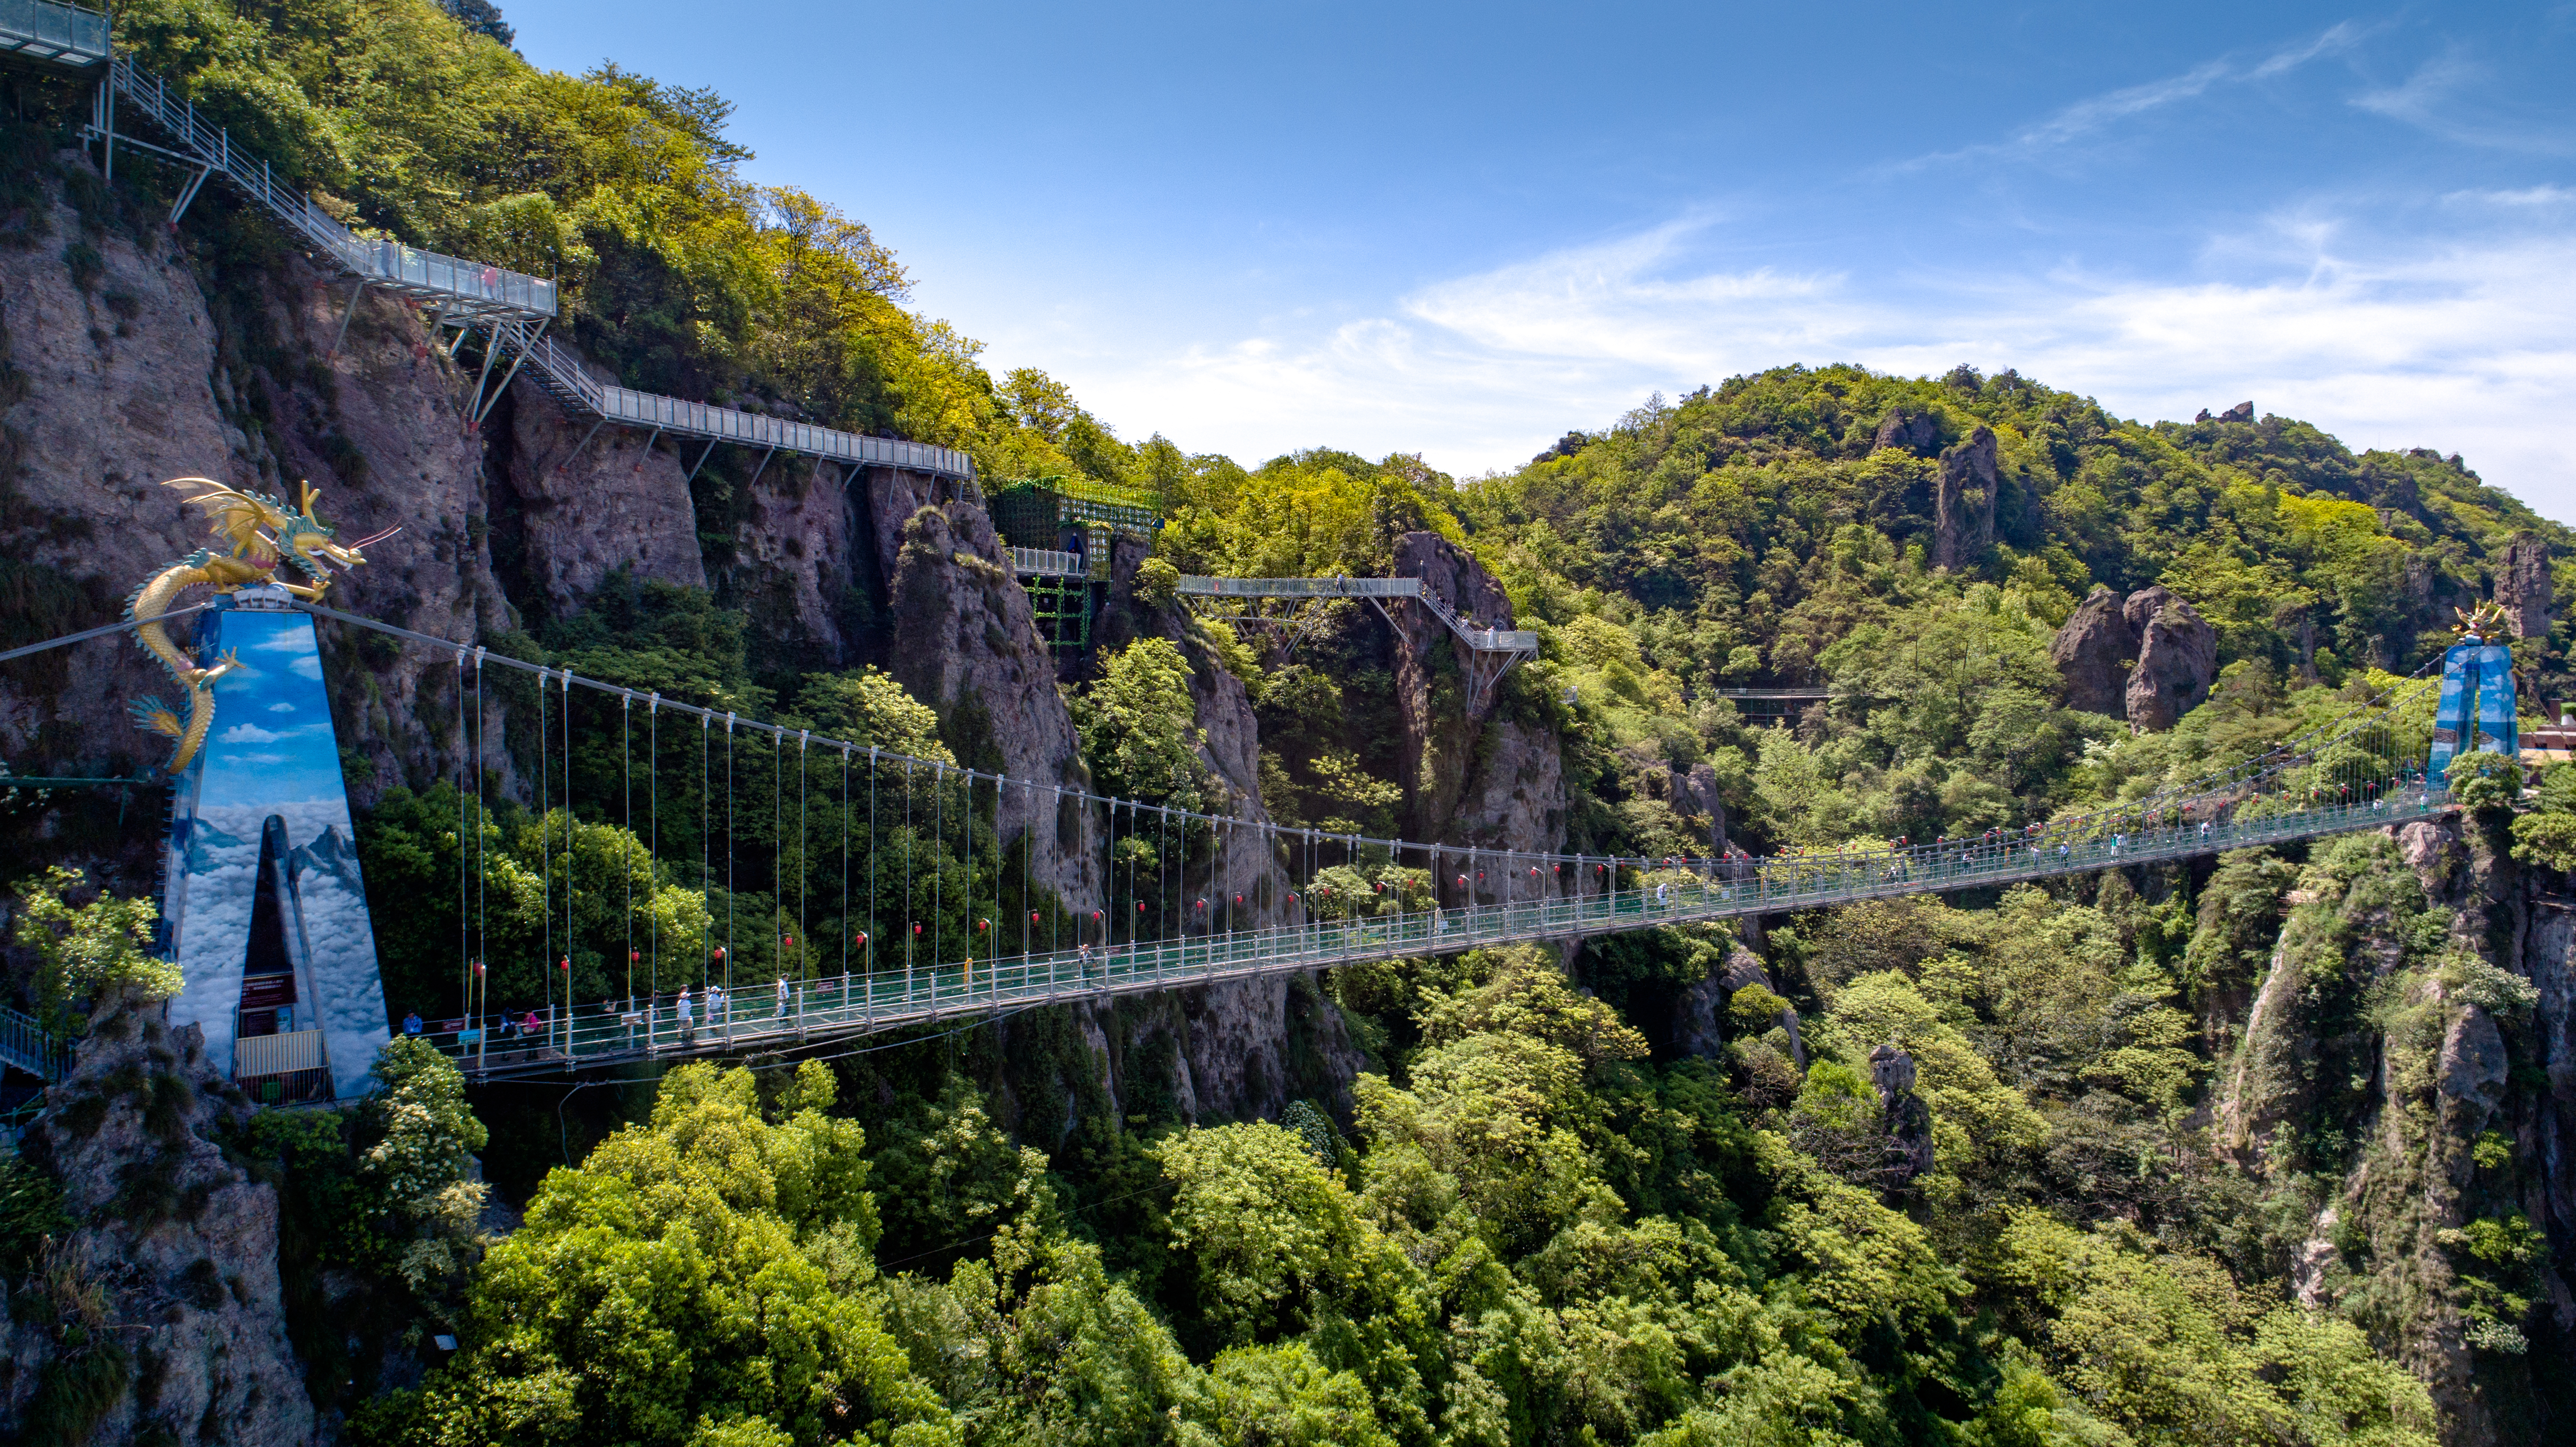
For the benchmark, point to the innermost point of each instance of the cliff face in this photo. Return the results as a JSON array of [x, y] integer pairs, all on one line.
[[172, 1261], [576, 506], [965, 644], [1468, 778], [129, 375], [2412, 1052]]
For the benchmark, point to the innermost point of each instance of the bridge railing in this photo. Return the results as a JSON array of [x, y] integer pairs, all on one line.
[[924, 991]]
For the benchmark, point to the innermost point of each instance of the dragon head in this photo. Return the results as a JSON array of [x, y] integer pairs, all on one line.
[[310, 543]]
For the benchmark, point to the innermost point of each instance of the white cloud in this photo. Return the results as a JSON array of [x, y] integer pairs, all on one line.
[[309, 666], [281, 708], [2098, 113], [2465, 345], [248, 734], [288, 640]]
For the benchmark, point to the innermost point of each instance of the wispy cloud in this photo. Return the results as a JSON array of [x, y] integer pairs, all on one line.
[[2440, 99], [2096, 114]]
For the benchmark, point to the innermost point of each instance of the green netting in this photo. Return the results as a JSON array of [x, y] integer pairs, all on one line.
[[1033, 511]]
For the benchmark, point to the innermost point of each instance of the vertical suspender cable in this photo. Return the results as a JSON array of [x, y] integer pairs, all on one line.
[[731, 803], [545, 851], [804, 868], [626, 752], [845, 868], [482, 848], [938, 861], [706, 837], [464, 930], [653, 854], [566, 711]]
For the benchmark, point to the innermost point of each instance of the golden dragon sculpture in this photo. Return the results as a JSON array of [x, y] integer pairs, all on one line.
[[261, 532]]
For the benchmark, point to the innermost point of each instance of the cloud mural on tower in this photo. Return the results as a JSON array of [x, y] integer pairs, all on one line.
[[273, 755]]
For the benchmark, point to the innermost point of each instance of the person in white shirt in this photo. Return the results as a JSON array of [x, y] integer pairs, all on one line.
[[688, 1029], [782, 997]]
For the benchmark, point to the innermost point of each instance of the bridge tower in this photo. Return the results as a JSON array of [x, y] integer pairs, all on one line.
[[2476, 713], [264, 903]]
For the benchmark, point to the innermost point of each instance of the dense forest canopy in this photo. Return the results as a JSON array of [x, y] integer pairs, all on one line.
[[1552, 1208]]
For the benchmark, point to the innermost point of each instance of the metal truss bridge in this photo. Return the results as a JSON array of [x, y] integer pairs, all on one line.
[[509, 310]]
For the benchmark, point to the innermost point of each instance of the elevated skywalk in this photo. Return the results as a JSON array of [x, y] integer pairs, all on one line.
[[510, 309], [926, 992], [1490, 652]]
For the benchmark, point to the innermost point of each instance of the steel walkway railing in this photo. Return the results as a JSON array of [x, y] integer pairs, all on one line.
[[923, 992], [31, 1047]]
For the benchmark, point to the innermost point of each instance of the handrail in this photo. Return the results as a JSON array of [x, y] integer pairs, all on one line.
[[64, 34], [1045, 563]]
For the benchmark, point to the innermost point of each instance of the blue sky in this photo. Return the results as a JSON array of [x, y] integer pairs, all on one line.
[[1463, 229]]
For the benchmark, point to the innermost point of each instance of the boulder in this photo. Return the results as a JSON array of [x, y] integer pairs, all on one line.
[[173, 1254], [2094, 653], [2177, 659], [1963, 524], [1916, 432]]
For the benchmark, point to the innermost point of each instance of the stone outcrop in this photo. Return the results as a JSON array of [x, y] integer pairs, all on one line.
[[2177, 659], [2151, 658], [178, 1246], [966, 644], [1971, 482], [581, 505], [2241, 412], [1697, 1026], [2094, 652], [1904, 1116], [1498, 784], [1915, 432], [2523, 585]]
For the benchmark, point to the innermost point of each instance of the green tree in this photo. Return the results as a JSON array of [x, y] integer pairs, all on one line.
[[88, 950]]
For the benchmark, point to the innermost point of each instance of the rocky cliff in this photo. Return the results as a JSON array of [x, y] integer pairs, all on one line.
[[2405, 1072], [168, 1278], [1469, 777], [2150, 658]]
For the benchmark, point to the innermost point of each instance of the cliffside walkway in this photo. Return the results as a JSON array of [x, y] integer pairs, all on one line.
[[1485, 653], [510, 309], [1684, 892]]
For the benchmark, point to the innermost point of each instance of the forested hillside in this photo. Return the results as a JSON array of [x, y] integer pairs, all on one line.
[[2266, 1149]]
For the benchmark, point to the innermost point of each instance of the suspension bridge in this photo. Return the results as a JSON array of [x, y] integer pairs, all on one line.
[[1172, 897], [1194, 897]]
